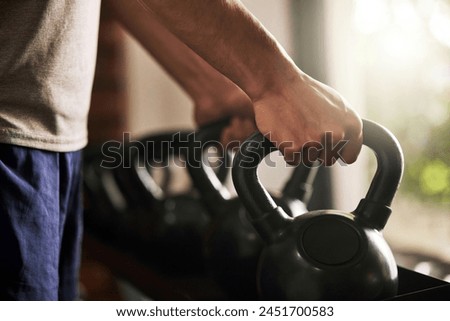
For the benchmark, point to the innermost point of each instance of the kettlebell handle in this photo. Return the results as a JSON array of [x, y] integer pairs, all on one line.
[[373, 210], [298, 186], [204, 176], [155, 147]]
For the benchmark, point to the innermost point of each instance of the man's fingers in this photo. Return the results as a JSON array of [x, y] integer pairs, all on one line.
[[352, 149], [238, 131], [333, 145]]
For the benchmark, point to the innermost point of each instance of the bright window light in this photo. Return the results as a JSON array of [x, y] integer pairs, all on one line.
[[370, 15], [406, 16], [440, 23]]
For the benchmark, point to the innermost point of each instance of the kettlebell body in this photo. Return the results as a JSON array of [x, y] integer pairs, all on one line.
[[329, 254], [180, 220], [230, 246]]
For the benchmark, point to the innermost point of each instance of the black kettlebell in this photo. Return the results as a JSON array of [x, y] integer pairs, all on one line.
[[232, 246], [106, 209], [172, 225], [328, 254]]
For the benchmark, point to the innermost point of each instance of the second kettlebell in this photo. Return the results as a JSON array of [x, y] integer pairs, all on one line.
[[232, 246]]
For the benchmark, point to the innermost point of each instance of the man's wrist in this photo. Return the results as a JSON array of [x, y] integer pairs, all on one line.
[[279, 84]]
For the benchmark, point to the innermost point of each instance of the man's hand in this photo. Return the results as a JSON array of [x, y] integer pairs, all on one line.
[[222, 100], [239, 129], [309, 117]]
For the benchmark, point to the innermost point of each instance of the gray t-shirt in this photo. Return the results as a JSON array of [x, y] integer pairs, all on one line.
[[47, 62]]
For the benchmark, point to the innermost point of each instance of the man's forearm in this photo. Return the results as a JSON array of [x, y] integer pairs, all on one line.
[[202, 82], [289, 106], [229, 38]]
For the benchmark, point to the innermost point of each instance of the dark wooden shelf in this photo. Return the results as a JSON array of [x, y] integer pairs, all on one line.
[[147, 278], [157, 285]]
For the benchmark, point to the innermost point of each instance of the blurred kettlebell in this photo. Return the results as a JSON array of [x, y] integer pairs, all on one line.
[[106, 209], [172, 224], [232, 246], [328, 254]]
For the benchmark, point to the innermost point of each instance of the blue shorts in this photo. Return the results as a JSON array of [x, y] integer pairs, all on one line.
[[40, 223]]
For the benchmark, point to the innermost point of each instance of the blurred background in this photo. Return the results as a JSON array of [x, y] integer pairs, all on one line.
[[389, 58]]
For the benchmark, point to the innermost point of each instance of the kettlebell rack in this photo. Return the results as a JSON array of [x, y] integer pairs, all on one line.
[[123, 242]]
